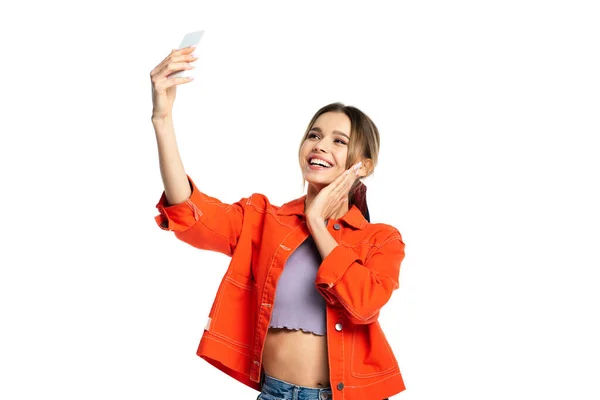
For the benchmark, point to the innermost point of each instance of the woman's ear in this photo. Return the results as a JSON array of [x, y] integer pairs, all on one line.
[[366, 168]]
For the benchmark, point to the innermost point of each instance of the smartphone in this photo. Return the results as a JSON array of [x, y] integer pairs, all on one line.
[[190, 39]]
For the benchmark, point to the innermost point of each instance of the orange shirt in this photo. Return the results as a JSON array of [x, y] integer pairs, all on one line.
[[356, 279]]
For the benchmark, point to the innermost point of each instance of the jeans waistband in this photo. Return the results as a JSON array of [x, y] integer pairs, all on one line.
[[288, 391]]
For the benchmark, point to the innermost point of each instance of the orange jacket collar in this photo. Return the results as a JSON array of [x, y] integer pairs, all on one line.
[[353, 217]]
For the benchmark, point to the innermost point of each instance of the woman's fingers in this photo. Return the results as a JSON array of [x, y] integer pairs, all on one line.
[[348, 185], [179, 81], [161, 79], [346, 180], [175, 67], [163, 62], [174, 60], [171, 67], [184, 57], [166, 83], [352, 177], [176, 56], [349, 174]]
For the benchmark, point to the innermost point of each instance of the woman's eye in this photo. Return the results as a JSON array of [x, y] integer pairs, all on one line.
[[340, 141], [312, 135]]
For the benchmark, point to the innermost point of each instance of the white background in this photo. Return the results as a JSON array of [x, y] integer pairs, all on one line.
[[488, 113]]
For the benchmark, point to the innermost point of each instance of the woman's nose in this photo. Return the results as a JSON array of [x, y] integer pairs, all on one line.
[[319, 146]]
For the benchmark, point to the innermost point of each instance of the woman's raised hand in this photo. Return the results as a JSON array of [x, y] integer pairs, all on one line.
[[163, 86], [328, 201]]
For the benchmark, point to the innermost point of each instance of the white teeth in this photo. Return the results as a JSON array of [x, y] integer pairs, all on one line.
[[316, 161]]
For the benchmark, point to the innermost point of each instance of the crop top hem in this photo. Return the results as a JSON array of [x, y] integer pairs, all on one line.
[[295, 329]]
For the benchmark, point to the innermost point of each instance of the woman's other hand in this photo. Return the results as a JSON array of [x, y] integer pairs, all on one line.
[[163, 86]]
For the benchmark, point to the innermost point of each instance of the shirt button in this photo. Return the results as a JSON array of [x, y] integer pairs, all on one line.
[[336, 227], [340, 386], [338, 327]]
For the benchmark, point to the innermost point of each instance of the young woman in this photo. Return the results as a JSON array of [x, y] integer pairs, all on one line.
[[295, 316]]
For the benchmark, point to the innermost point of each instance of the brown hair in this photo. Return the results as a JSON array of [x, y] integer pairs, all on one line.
[[364, 143]]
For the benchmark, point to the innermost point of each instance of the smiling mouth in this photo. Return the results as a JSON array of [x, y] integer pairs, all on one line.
[[317, 163]]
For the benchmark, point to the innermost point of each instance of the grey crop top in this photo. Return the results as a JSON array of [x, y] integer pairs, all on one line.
[[298, 304]]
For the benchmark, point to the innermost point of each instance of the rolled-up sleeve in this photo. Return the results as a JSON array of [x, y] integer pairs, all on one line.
[[203, 221], [362, 288]]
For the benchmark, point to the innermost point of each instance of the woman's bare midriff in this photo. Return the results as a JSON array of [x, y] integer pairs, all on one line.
[[296, 357]]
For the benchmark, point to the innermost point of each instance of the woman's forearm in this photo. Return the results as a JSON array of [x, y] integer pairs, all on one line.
[[175, 182], [323, 239]]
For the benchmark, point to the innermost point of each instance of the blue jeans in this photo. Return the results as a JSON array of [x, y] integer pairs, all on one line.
[[274, 389]]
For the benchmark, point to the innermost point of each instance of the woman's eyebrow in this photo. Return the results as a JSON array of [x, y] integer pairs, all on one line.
[[342, 134]]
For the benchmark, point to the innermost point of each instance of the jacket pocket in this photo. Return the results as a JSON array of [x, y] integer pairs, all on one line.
[[233, 313], [371, 353]]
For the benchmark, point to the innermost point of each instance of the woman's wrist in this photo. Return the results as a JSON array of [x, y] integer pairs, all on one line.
[[158, 120], [323, 239], [314, 222], [163, 127]]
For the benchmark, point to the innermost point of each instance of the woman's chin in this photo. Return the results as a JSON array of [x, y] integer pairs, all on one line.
[[320, 178]]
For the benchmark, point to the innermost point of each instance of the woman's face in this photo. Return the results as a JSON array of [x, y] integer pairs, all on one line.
[[325, 150]]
